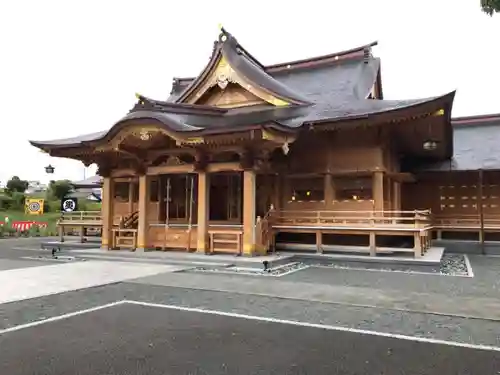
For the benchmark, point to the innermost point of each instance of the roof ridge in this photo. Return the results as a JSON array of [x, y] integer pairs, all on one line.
[[298, 64]]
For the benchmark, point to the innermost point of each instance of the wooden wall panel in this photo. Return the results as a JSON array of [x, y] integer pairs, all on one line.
[[177, 238], [453, 194]]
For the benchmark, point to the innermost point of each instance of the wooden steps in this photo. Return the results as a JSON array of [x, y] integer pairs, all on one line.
[[225, 241], [124, 239]]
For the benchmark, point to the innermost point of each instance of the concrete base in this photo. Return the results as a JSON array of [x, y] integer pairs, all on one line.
[[189, 258], [67, 245], [468, 247], [430, 262]]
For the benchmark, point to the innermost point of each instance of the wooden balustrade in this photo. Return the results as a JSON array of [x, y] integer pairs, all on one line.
[[416, 224], [78, 221], [81, 217], [466, 222], [354, 219]]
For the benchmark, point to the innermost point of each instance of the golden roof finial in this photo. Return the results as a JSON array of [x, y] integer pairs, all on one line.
[[137, 95], [220, 26]]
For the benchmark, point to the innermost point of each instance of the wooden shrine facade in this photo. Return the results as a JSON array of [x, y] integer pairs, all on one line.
[[246, 157]]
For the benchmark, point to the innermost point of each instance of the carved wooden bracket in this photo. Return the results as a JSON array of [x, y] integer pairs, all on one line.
[[104, 170], [200, 160], [247, 160]]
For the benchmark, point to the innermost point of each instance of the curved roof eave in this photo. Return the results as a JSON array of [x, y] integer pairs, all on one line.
[[166, 121], [390, 107], [68, 142]]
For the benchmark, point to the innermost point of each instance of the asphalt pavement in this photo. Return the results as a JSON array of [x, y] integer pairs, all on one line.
[[134, 339]]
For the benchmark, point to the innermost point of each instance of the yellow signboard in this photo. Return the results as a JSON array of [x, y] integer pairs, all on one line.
[[34, 206]]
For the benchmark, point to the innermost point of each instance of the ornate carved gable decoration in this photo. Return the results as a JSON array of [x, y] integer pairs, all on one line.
[[221, 77], [140, 135]]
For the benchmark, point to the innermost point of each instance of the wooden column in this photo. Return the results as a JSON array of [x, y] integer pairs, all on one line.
[[278, 192], [161, 199], [142, 225], [329, 191], [107, 213], [480, 209], [378, 190], [131, 188], [249, 179], [203, 210], [396, 196]]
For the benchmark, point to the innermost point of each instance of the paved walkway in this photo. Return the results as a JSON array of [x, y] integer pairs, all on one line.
[[470, 307], [24, 283]]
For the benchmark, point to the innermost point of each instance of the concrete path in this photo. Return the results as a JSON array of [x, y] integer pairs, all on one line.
[[470, 307], [24, 283]]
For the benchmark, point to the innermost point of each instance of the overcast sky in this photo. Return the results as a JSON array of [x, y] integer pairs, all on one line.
[[72, 67]]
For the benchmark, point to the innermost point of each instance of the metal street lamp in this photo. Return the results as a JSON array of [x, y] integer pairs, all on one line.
[[49, 169]]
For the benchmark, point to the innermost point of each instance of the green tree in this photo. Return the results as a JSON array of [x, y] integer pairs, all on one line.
[[59, 189], [490, 6], [15, 184]]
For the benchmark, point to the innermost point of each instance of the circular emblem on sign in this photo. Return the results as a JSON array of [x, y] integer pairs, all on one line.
[[34, 206], [69, 205]]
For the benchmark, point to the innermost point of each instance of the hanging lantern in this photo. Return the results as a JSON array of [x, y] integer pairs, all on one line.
[[49, 169]]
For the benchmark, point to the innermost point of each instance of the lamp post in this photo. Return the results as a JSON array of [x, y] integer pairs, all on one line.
[[49, 169]]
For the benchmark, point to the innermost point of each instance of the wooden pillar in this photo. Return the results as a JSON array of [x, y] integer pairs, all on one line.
[[249, 179], [131, 188], [480, 208], [329, 191], [396, 195], [203, 210], [378, 190], [107, 213], [278, 192], [161, 199], [142, 225]]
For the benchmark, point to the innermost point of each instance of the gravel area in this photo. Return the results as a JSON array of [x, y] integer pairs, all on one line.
[[416, 324], [454, 265], [276, 271], [451, 265]]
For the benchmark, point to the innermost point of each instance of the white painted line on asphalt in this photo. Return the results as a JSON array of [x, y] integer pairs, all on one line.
[[469, 266], [293, 271], [320, 326], [60, 317], [382, 270]]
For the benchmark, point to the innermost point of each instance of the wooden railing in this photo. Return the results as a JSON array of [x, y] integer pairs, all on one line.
[[466, 222], [416, 224], [130, 221], [77, 217], [354, 219], [264, 235]]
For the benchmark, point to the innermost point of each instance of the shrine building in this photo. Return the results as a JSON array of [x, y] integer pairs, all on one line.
[[246, 158]]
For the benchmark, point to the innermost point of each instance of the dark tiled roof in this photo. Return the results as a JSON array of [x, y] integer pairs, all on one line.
[[246, 66], [335, 90], [94, 181], [476, 146]]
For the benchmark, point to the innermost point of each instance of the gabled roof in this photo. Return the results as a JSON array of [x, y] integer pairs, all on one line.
[[332, 88], [228, 50]]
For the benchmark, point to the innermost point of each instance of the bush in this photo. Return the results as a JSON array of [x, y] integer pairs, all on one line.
[[5, 202], [17, 201]]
